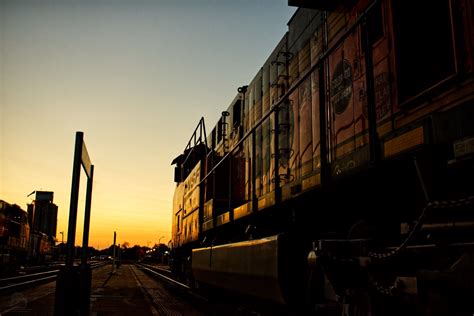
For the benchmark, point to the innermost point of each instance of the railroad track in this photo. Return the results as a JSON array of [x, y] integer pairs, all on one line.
[[163, 274], [209, 301], [13, 284], [168, 295]]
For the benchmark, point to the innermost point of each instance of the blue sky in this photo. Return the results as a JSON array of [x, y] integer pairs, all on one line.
[[135, 77]]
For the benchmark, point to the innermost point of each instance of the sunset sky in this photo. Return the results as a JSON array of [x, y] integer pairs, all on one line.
[[135, 76]]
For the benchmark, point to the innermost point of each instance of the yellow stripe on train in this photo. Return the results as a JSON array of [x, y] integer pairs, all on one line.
[[404, 142]]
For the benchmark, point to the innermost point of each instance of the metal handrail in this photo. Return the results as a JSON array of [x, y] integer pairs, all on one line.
[[202, 129]]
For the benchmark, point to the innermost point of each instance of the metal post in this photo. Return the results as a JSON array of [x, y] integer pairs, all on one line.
[[254, 174], [73, 283], [372, 118], [325, 172], [276, 154], [243, 90], [229, 188], [76, 174], [323, 113], [422, 181], [87, 218], [113, 256]]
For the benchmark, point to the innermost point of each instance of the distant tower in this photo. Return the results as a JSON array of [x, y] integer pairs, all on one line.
[[43, 214]]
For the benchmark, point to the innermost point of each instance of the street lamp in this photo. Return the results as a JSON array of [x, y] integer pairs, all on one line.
[[160, 255]]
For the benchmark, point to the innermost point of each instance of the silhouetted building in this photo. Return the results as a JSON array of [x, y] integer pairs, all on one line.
[[43, 214]]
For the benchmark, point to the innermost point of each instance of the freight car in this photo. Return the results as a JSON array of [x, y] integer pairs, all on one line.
[[340, 179], [40, 249]]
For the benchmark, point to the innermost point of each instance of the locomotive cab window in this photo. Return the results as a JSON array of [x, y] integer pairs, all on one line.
[[424, 45]]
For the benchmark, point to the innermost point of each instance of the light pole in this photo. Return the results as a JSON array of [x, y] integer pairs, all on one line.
[[62, 237], [160, 254]]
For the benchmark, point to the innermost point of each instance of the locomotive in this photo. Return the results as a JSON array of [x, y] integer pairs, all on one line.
[[20, 243], [339, 180], [14, 236]]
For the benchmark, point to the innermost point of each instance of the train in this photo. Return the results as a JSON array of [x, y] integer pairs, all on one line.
[[339, 181], [14, 236], [20, 245]]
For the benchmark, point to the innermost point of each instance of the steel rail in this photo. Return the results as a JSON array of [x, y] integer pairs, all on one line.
[[35, 280], [151, 270], [21, 284], [25, 276]]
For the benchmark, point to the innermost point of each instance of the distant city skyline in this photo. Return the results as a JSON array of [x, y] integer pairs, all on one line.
[[135, 77]]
